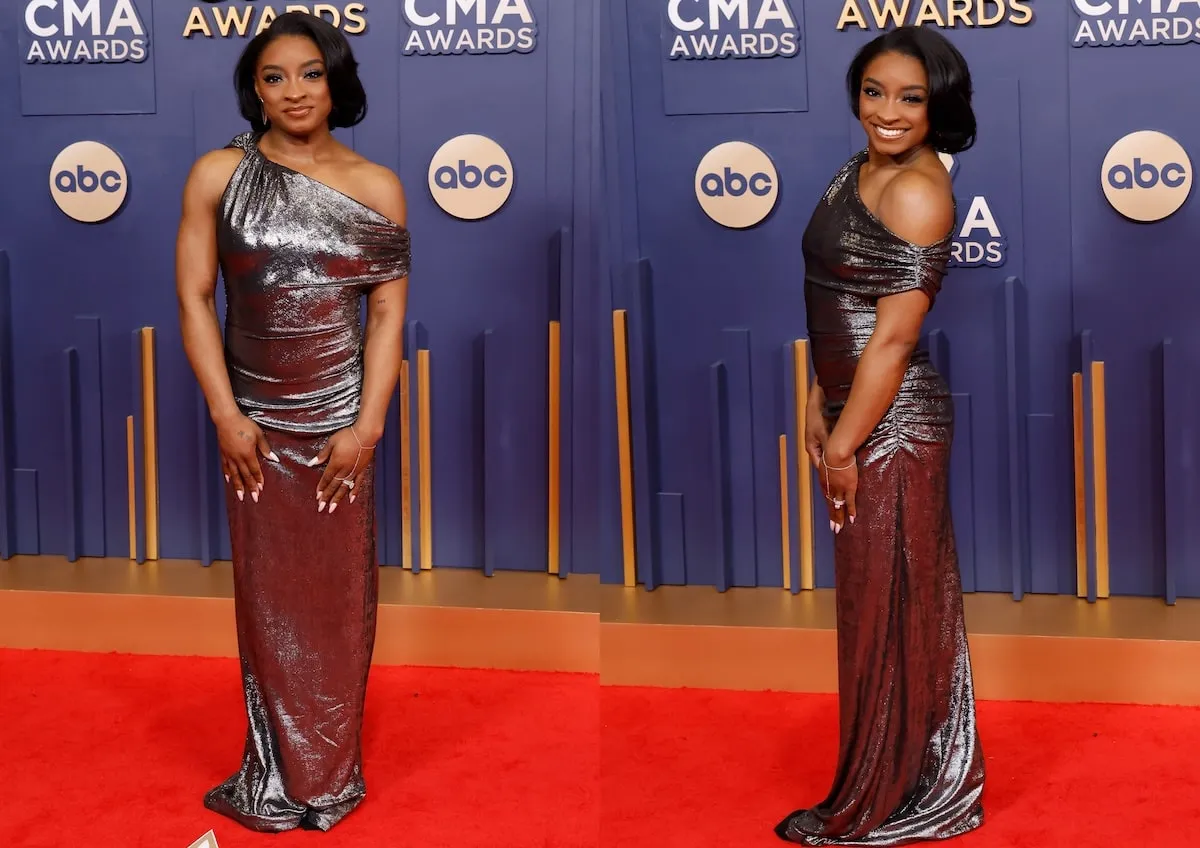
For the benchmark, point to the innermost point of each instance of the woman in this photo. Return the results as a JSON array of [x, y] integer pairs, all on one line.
[[301, 228], [879, 428]]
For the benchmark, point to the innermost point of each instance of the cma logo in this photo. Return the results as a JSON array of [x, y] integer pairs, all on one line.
[[736, 184], [446, 27], [1109, 23], [59, 32], [470, 177], [979, 241], [1146, 176], [88, 181], [731, 29]]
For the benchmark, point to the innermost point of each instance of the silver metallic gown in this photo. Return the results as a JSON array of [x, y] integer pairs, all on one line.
[[296, 256], [910, 767]]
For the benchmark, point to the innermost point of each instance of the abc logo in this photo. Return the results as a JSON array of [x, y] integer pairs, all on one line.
[[1146, 176], [88, 181], [470, 177], [736, 184]]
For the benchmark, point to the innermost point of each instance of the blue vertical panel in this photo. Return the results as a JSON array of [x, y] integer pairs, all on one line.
[[516, 497], [562, 303], [72, 460], [8, 529], [962, 489], [208, 473], [722, 515], [1086, 357], [384, 509], [1016, 351], [27, 511], [672, 544], [1179, 470], [743, 536], [1052, 556], [643, 414], [939, 354], [91, 422]]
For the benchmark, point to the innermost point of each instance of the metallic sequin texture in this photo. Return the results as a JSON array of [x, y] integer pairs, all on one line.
[[296, 256], [910, 766]]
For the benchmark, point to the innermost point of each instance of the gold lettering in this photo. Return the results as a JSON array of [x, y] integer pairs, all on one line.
[[226, 22], [196, 22], [851, 14], [355, 22], [930, 13], [322, 9], [959, 11], [268, 15], [1021, 13], [982, 13], [889, 10]]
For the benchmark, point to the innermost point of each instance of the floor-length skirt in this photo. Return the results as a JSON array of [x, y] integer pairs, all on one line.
[[910, 767], [305, 594]]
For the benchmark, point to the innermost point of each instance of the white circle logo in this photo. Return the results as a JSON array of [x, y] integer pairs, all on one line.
[[470, 177], [736, 184], [88, 181], [1146, 176]]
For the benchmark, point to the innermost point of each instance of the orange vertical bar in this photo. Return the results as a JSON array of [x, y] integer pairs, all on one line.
[[624, 449]]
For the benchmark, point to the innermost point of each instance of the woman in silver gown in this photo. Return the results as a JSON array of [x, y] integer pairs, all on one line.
[[301, 228], [879, 428]]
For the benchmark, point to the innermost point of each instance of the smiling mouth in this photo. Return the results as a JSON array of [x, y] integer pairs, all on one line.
[[889, 134]]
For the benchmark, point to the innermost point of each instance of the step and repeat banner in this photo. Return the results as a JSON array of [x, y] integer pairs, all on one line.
[[1062, 326], [484, 109]]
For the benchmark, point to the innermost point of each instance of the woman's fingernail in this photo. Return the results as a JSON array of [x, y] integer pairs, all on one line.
[[832, 526], [226, 478], [332, 507], [852, 519], [838, 529], [320, 506], [313, 461], [352, 499], [271, 456], [241, 495], [254, 496]]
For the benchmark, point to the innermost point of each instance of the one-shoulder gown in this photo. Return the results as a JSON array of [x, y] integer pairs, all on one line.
[[910, 767], [297, 256]]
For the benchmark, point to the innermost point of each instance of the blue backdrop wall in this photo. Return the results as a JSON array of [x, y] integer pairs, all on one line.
[[1063, 329], [483, 294]]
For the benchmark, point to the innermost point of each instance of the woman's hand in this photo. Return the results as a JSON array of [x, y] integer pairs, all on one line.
[[839, 476], [347, 460], [241, 440], [816, 434]]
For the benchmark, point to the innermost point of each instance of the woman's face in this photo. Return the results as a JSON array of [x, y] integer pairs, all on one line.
[[893, 103], [292, 85]]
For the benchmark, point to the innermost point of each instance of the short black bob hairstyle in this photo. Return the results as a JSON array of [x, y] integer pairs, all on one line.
[[951, 118], [341, 69]]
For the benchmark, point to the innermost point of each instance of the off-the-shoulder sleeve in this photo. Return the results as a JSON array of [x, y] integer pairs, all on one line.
[[922, 268]]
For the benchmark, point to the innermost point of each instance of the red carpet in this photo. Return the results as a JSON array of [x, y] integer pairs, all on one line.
[[712, 769], [117, 752]]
